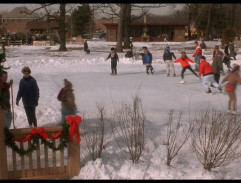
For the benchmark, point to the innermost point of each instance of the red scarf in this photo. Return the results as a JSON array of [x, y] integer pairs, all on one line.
[[62, 94]]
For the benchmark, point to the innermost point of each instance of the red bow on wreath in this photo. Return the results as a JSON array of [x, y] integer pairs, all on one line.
[[74, 122], [40, 131]]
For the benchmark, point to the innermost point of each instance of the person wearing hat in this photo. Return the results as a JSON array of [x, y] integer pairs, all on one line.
[[206, 71], [29, 92], [232, 79], [167, 57], [67, 99], [197, 55], [147, 59], [185, 65]]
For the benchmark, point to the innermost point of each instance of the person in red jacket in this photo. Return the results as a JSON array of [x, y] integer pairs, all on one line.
[[233, 78], [206, 71], [185, 65], [197, 55]]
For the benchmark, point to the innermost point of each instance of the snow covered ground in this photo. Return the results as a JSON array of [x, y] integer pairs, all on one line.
[[92, 83]]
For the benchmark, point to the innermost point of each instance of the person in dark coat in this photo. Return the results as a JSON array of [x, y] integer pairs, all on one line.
[[114, 59], [226, 59], [232, 51], [218, 57], [216, 66], [86, 48], [5, 98], [147, 59], [167, 57], [29, 92]]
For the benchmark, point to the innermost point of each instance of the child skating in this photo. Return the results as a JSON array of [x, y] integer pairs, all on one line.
[[184, 59]]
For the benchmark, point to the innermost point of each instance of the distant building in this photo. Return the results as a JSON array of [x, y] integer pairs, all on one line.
[[16, 20], [149, 29]]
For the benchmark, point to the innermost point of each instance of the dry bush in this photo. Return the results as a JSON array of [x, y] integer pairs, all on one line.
[[176, 136], [128, 129], [93, 136], [216, 138]]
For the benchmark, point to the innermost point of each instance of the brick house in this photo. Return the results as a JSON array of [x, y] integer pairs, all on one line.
[[149, 29]]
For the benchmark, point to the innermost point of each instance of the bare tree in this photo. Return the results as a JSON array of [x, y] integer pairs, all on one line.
[[216, 138], [208, 26], [174, 139], [93, 137], [128, 129]]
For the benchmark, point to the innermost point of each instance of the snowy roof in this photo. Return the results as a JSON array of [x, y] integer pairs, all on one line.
[[20, 12]]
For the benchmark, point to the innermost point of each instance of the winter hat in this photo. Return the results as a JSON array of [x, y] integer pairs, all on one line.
[[26, 69], [68, 83], [216, 47], [168, 47], [203, 57], [236, 67]]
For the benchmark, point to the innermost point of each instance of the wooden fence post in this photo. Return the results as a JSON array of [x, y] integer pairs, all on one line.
[[74, 158], [3, 151]]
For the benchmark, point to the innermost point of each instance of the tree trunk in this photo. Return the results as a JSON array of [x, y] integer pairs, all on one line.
[[127, 28], [208, 26], [120, 33], [234, 6], [62, 32]]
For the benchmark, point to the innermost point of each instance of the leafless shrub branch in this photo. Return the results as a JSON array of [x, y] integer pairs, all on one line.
[[174, 139], [93, 136], [216, 138], [128, 128]]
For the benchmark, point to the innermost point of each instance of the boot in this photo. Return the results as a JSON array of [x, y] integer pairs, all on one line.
[[209, 91]]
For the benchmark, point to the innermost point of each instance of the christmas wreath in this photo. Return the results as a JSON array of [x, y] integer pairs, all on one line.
[[70, 128]]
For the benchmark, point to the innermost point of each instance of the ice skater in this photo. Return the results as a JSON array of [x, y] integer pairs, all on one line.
[[114, 59], [167, 57], [185, 65], [206, 71], [233, 78], [147, 59]]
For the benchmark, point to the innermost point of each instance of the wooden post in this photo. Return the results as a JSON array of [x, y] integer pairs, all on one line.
[[74, 158], [3, 152]]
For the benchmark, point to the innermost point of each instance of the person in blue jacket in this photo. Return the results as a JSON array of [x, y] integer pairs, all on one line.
[[29, 92], [147, 59]]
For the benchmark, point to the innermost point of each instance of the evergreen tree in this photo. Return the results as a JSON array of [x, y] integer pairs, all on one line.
[[81, 19]]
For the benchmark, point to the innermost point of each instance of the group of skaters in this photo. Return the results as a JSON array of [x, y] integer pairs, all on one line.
[[29, 93], [208, 73]]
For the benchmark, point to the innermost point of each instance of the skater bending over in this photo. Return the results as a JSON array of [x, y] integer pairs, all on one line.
[[185, 65], [233, 78], [208, 76]]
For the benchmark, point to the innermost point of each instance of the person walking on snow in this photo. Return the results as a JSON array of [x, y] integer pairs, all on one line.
[[233, 78], [197, 55], [114, 59], [167, 57], [67, 99], [185, 65], [29, 92], [206, 71], [147, 59], [5, 98]]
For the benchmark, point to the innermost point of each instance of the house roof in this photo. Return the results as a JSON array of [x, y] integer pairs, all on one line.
[[20, 12], [152, 20], [42, 25]]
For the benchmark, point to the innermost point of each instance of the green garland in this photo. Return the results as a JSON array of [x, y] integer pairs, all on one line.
[[35, 141]]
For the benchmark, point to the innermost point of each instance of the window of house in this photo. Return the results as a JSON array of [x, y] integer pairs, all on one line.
[[111, 34], [179, 34]]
